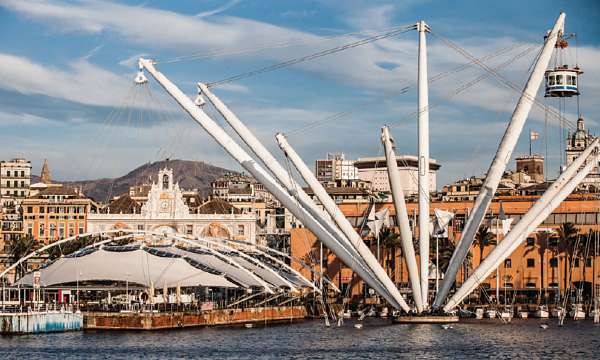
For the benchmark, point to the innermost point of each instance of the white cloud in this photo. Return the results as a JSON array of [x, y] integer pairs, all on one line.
[[82, 82], [218, 10]]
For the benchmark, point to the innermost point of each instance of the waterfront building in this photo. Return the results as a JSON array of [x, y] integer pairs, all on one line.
[[374, 170], [55, 213], [335, 168], [522, 271], [15, 178], [165, 211]]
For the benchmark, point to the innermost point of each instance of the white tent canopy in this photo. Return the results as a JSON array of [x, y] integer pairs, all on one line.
[[135, 266]]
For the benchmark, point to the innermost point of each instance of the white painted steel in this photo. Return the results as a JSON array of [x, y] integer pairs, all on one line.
[[551, 199], [269, 182], [278, 171], [423, 183], [501, 160], [339, 218], [406, 236]]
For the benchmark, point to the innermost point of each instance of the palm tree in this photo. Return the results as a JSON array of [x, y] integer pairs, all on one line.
[[391, 241], [543, 238], [567, 240], [20, 246], [484, 238]]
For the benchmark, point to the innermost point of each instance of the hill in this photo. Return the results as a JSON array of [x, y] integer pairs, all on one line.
[[189, 174]]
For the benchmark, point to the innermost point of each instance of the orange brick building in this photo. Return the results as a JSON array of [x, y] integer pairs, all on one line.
[[521, 273]]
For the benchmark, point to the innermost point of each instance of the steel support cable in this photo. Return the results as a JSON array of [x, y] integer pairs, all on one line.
[[312, 56], [500, 78], [459, 90], [402, 91], [274, 45]]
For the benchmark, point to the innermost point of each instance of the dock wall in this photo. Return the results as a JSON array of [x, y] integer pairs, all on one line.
[[172, 320], [39, 322]]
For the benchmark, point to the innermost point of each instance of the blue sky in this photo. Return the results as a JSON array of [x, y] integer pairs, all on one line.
[[66, 71]]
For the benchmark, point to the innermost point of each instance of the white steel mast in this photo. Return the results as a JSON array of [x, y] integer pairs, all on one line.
[[423, 184], [406, 235], [545, 205], [261, 175], [271, 163], [340, 219], [501, 159], [282, 175]]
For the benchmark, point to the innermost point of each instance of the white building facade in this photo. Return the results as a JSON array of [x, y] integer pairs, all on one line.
[[166, 212]]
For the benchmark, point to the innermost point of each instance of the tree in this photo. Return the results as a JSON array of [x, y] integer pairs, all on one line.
[[567, 241], [483, 239], [543, 239], [391, 241], [21, 246]]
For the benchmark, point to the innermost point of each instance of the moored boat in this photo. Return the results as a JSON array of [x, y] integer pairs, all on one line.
[[542, 312], [577, 312]]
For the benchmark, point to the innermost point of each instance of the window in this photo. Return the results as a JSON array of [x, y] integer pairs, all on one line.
[[508, 263], [559, 80], [61, 231], [30, 229], [30, 209], [52, 230], [588, 262], [71, 229], [140, 227], [189, 229], [551, 80], [576, 262], [81, 229], [530, 241], [554, 262], [42, 230], [240, 229], [530, 263], [42, 209]]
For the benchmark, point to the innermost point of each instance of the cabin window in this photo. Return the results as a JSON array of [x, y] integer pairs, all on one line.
[[554, 262], [530, 263], [576, 262], [551, 80], [559, 80], [575, 80]]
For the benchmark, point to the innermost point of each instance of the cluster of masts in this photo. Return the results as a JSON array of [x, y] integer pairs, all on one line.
[[332, 228]]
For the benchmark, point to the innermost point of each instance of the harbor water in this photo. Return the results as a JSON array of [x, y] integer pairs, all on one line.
[[378, 339]]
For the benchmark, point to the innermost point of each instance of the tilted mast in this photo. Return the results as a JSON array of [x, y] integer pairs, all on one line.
[[501, 159], [406, 236], [552, 198], [261, 175]]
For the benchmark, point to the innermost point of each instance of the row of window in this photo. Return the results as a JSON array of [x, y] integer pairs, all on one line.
[[15, 173], [56, 209], [55, 217], [53, 231], [15, 193], [553, 262], [561, 80], [15, 183]]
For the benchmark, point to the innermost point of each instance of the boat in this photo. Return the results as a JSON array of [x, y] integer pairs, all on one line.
[[491, 313], [347, 314], [523, 314], [577, 312], [558, 312], [479, 313], [506, 314], [384, 312], [542, 312]]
